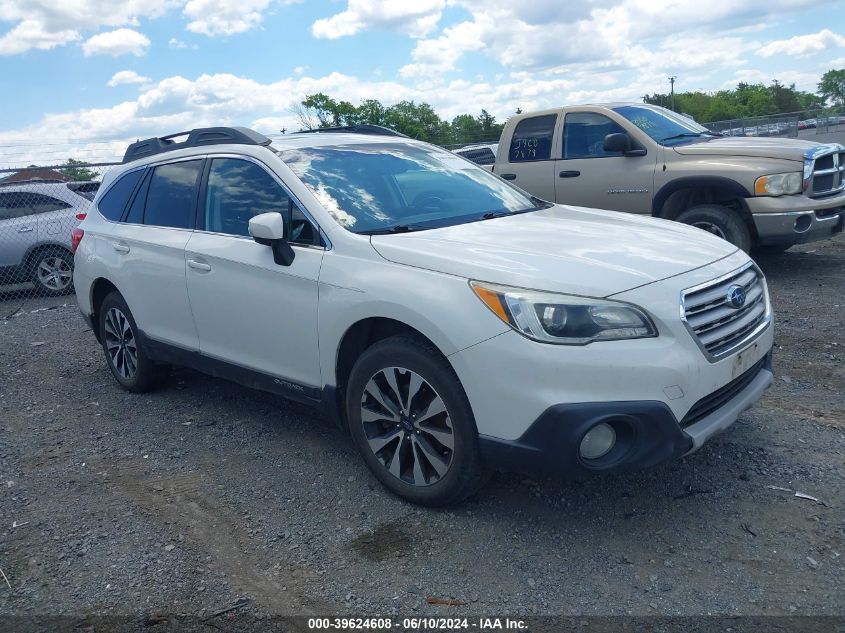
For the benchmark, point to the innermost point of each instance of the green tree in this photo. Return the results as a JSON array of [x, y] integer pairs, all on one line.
[[75, 170], [832, 86]]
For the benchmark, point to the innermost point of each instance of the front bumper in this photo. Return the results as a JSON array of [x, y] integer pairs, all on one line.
[[647, 432], [796, 219]]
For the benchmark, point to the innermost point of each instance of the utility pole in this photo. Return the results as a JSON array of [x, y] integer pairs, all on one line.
[[672, 85]]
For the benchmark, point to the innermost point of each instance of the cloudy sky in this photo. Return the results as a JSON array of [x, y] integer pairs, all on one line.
[[77, 74]]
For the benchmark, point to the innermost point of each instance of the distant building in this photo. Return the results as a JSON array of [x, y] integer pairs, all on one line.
[[36, 173]]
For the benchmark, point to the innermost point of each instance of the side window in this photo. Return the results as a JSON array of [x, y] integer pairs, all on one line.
[[6, 206], [113, 203], [136, 209], [39, 203], [532, 139], [172, 195], [583, 135], [237, 190]]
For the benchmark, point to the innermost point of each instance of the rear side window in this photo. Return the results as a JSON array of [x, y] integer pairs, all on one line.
[[532, 139], [171, 198], [136, 209], [584, 132], [113, 203]]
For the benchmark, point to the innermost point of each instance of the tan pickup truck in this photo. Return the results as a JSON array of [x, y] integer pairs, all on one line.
[[764, 193]]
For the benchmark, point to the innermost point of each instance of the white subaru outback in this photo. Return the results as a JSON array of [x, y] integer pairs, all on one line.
[[451, 322]]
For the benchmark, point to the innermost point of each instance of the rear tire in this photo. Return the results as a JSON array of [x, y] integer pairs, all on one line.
[[127, 361], [720, 221], [52, 272], [411, 420]]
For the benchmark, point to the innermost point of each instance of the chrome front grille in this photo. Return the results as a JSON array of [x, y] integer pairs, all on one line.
[[824, 171], [717, 319]]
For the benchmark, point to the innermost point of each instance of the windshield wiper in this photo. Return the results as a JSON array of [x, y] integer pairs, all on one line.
[[688, 135], [398, 228], [495, 214]]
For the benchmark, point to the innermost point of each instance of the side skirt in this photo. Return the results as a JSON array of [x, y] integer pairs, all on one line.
[[167, 353]]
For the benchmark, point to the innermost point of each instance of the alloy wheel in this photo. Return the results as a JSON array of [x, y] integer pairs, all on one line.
[[54, 273], [407, 426], [120, 343]]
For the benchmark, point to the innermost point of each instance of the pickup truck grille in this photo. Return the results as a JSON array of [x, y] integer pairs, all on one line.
[[725, 313], [824, 172]]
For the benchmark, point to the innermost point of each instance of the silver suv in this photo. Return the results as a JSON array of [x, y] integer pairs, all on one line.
[[36, 219]]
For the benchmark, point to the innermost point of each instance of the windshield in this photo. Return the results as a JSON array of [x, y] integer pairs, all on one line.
[[390, 187], [664, 126]]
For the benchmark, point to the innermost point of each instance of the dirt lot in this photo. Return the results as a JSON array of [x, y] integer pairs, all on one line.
[[191, 498]]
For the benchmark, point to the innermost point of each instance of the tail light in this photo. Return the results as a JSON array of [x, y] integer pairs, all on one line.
[[81, 215], [76, 236]]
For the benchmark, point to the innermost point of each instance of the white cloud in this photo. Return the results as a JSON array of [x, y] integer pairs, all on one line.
[[43, 24], [803, 45], [116, 43], [416, 18], [174, 43], [30, 34], [224, 17], [124, 77]]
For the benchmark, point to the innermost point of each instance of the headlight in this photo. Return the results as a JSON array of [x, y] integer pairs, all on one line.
[[778, 184], [564, 319]]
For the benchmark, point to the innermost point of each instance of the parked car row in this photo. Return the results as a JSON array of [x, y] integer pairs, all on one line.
[[450, 321]]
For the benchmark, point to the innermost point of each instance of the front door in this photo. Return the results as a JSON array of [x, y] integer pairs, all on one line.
[[249, 310], [589, 176]]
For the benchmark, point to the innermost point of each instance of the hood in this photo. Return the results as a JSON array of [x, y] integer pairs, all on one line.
[[561, 249], [752, 146]]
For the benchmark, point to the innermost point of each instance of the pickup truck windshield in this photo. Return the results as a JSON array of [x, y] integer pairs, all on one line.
[[399, 187], [664, 126]]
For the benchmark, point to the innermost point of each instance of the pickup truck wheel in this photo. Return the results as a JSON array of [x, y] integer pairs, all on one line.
[[720, 221], [410, 419], [130, 366]]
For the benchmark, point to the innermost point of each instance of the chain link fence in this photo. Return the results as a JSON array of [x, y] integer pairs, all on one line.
[[39, 207], [794, 125]]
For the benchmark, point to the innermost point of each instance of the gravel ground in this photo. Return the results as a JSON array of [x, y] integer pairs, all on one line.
[[203, 493]]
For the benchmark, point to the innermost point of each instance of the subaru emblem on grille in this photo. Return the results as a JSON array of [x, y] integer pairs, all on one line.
[[736, 296]]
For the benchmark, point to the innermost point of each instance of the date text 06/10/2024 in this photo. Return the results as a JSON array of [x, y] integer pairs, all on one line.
[[417, 624]]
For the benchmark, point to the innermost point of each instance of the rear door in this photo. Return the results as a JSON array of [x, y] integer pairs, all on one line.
[[529, 163], [589, 176], [249, 310], [146, 251]]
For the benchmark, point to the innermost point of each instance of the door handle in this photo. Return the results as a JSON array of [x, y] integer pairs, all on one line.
[[199, 265], [569, 174], [26, 229], [120, 248], [509, 176]]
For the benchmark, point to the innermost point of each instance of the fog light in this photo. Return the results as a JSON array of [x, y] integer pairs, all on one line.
[[598, 441]]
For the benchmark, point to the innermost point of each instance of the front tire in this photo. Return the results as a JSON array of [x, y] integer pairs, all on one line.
[[720, 221], [129, 364], [411, 420], [52, 272]]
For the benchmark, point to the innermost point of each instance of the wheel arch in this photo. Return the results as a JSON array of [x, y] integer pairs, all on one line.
[[100, 289], [684, 193], [358, 337], [40, 247]]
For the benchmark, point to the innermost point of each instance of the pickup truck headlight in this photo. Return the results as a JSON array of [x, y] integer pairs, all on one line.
[[778, 184], [567, 320]]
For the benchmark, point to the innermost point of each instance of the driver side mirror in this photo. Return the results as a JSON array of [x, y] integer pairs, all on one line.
[[268, 229], [621, 142]]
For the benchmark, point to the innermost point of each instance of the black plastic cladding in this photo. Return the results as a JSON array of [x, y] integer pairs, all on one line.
[[196, 138]]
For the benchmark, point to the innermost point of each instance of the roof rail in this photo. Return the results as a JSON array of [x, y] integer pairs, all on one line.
[[195, 138], [360, 128]]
